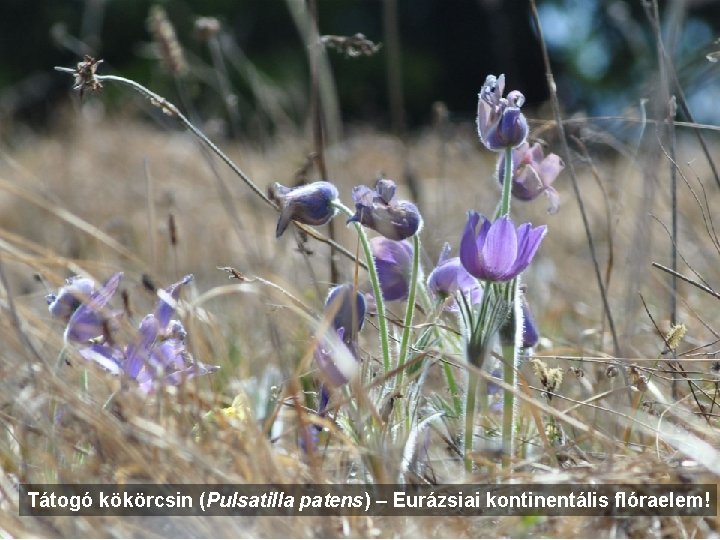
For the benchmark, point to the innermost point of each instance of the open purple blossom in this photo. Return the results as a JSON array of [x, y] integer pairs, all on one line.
[[81, 304], [533, 173], [379, 210], [500, 122], [310, 204], [393, 260], [449, 279], [157, 355], [498, 251]]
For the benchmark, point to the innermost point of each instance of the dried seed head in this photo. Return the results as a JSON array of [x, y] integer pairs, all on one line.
[[166, 41], [675, 336], [550, 378], [85, 75], [611, 371], [206, 28]]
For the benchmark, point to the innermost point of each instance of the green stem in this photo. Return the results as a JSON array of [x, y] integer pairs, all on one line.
[[470, 418], [504, 207], [409, 310], [511, 355], [375, 282]]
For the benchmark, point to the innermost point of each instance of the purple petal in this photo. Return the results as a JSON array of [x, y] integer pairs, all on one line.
[[168, 301], [385, 189], [363, 195], [88, 321], [106, 357], [529, 242], [500, 249], [139, 352], [78, 290], [469, 253]]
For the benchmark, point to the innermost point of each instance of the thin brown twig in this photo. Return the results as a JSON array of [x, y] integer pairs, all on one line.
[[571, 168]]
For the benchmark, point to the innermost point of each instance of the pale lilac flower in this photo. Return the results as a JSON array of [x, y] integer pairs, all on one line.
[[393, 261], [500, 123], [158, 355], [379, 210], [533, 173], [498, 251], [450, 279], [82, 306], [310, 204]]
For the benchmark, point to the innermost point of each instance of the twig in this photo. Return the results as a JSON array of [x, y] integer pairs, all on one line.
[[687, 280], [573, 177]]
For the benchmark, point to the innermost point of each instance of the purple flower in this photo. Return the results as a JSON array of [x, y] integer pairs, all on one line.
[[347, 314], [530, 335], [450, 277], [500, 123], [82, 305], [498, 251], [310, 204], [393, 261], [530, 332], [158, 354], [379, 210], [336, 361], [533, 173]]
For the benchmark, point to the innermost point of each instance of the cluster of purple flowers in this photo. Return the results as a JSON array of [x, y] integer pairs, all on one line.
[[156, 356], [491, 251]]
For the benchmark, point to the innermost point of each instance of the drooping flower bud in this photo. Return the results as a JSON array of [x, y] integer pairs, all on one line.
[[379, 210], [347, 314], [533, 173], [310, 204], [500, 122], [393, 260]]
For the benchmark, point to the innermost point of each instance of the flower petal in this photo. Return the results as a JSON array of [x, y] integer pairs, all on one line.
[[469, 253], [168, 301], [139, 352], [500, 249], [529, 242]]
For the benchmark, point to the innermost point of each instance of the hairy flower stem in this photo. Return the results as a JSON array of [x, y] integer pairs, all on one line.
[[511, 354], [470, 418], [504, 206], [375, 282], [409, 310]]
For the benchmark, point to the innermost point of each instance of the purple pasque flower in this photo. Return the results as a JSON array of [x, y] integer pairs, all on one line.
[[498, 251], [449, 278], [533, 173], [379, 210], [310, 204], [81, 304], [337, 362], [158, 355], [335, 352], [346, 313], [500, 123], [393, 261]]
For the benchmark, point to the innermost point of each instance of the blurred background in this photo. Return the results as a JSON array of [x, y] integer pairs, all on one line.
[[432, 50]]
